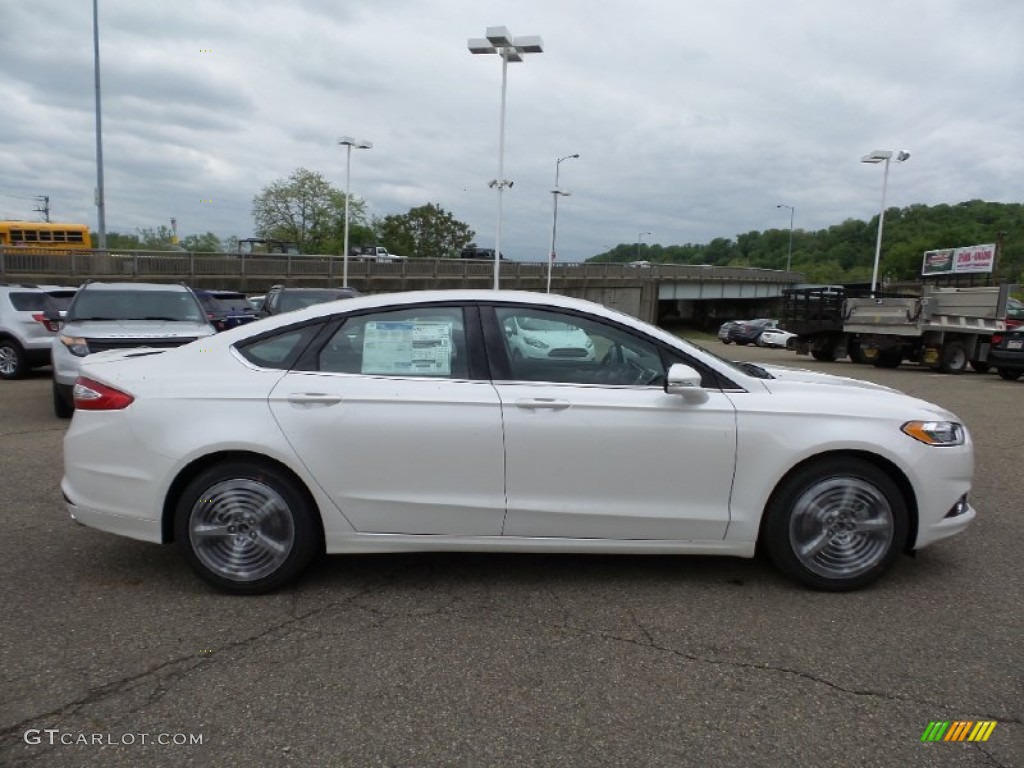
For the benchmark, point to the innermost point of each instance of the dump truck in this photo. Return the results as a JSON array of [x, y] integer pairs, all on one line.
[[944, 328]]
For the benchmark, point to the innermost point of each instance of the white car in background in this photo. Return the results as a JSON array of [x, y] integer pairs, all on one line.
[[533, 338], [776, 337], [405, 422]]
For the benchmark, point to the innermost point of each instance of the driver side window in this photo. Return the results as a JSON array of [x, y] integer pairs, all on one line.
[[560, 347]]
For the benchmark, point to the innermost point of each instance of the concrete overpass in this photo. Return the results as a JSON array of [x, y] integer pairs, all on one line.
[[698, 293]]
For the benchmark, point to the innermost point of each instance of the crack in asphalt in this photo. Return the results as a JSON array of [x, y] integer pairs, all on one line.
[[650, 643], [170, 672]]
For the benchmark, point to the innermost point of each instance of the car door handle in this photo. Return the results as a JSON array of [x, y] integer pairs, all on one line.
[[313, 398], [545, 403]]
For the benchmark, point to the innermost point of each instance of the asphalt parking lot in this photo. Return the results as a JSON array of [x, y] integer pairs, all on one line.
[[114, 654]]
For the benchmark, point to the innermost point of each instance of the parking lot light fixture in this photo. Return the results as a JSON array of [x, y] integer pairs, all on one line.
[[348, 142], [556, 192], [789, 254], [639, 243], [501, 42], [873, 158]]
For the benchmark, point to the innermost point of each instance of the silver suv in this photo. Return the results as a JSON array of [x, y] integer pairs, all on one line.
[[105, 316], [25, 333]]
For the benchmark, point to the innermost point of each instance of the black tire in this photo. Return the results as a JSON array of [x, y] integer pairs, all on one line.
[[217, 528], [742, 343], [1010, 374], [953, 357], [856, 353], [726, 341], [62, 409], [13, 364], [827, 355], [818, 507], [981, 367], [791, 343], [888, 358]]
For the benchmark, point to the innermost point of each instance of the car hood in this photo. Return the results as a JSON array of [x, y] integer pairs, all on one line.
[[853, 394], [138, 329], [783, 373]]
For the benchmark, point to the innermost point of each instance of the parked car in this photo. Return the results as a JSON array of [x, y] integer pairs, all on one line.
[[226, 309], [404, 422], [1006, 354], [25, 333], [124, 316], [533, 337], [749, 331], [776, 337], [284, 298], [723, 331], [1014, 313]]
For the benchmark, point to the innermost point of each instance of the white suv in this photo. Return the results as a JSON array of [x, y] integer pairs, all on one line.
[[106, 316], [25, 333]]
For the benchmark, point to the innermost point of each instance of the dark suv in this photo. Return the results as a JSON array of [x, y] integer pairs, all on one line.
[[226, 309], [473, 252], [283, 298]]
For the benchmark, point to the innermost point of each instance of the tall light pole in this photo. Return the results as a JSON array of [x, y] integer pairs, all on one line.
[[500, 41], [101, 233], [639, 243], [878, 156], [789, 256], [555, 193], [348, 142]]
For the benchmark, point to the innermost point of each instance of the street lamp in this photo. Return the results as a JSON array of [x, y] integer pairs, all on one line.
[[639, 242], [500, 41], [555, 192], [874, 158], [792, 212], [348, 142]]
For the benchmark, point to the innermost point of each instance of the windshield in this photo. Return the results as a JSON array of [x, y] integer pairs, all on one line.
[[135, 305], [540, 324], [227, 302]]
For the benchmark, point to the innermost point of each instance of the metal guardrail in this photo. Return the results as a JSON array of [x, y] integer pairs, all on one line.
[[15, 263]]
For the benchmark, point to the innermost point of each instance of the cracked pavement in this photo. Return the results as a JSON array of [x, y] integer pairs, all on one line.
[[518, 660]]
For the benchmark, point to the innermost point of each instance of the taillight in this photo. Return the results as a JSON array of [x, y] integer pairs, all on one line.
[[51, 325], [91, 395], [996, 339]]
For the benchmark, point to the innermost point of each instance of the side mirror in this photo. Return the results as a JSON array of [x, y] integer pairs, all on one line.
[[685, 381]]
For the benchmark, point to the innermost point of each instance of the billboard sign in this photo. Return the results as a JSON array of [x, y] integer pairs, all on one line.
[[938, 262], [966, 260]]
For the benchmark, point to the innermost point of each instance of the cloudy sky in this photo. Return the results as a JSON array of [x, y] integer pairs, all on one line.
[[693, 120]]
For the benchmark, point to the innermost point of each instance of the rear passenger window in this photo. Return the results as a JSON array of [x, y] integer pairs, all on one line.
[[417, 342], [280, 350]]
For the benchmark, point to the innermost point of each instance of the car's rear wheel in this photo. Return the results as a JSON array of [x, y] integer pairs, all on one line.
[[246, 527], [836, 524], [1009, 374], [13, 364], [62, 409]]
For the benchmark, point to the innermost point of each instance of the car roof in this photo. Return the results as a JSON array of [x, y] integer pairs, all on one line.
[[135, 286]]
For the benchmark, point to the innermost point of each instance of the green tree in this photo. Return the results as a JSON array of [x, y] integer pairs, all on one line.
[[307, 210], [428, 231], [204, 243]]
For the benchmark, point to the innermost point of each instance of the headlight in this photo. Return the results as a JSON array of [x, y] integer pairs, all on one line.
[[75, 344], [935, 432], [535, 342]]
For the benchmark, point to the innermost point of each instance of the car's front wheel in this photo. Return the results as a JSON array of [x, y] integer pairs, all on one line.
[[836, 524], [246, 527]]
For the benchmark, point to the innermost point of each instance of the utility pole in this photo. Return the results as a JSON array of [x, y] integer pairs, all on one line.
[[45, 210]]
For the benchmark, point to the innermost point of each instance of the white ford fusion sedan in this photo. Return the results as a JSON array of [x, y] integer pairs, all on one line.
[[403, 422]]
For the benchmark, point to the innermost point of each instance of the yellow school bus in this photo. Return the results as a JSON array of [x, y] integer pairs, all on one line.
[[44, 237]]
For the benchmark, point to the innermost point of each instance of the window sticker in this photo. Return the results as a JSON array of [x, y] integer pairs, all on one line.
[[409, 347]]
